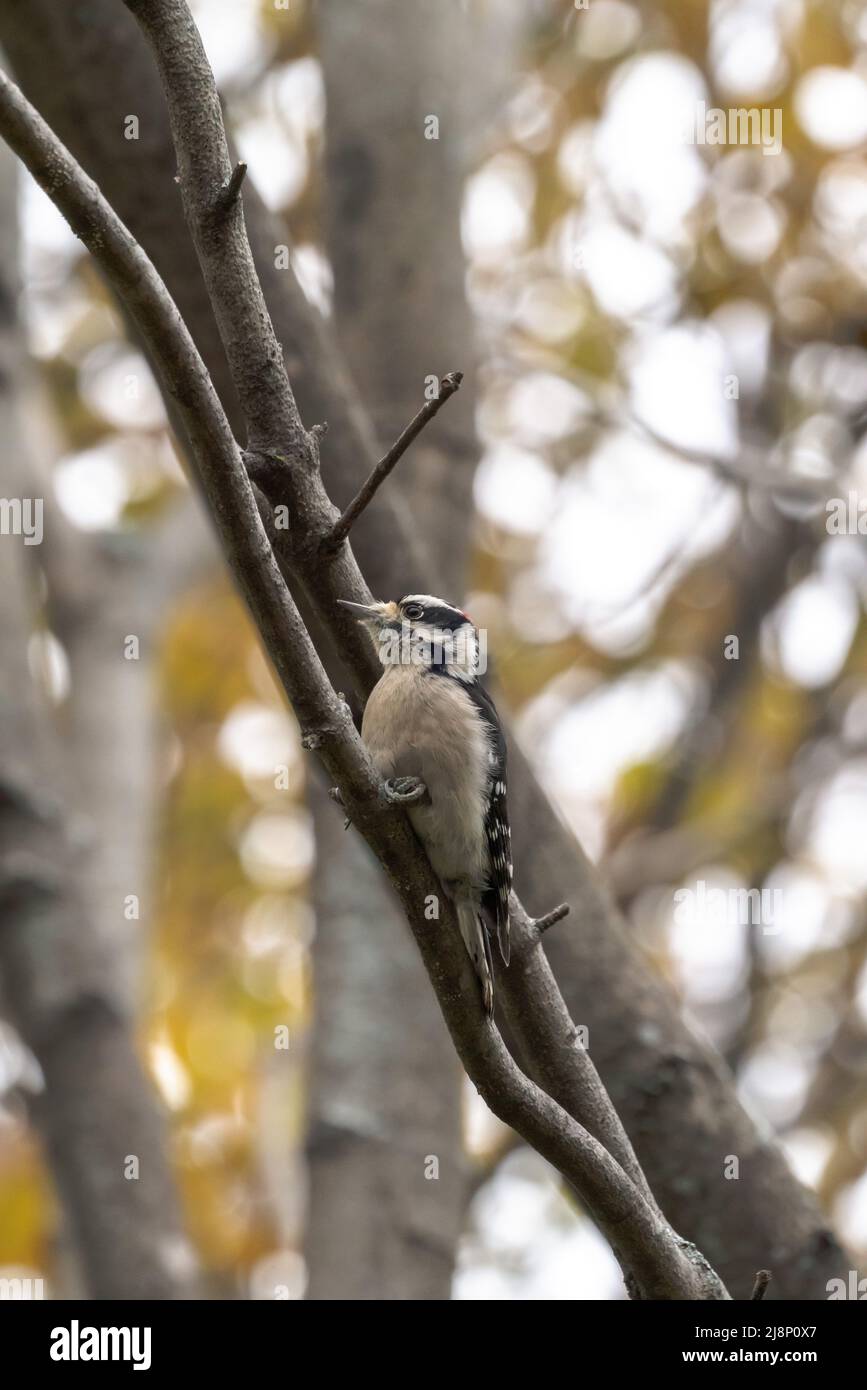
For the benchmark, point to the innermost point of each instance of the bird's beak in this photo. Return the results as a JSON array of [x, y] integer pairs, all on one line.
[[376, 613], [364, 610]]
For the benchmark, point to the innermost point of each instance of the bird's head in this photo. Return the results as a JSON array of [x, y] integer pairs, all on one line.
[[422, 630]]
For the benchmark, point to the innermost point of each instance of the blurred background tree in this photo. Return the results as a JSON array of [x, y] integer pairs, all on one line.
[[670, 380]]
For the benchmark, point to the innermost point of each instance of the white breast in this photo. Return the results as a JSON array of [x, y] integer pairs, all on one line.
[[422, 725]]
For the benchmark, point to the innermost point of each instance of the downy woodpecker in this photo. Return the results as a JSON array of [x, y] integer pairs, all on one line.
[[428, 720]]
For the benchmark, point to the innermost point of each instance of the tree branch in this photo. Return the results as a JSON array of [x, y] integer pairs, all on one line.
[[552, 1049], [206, 177], [450, 384], [59, 989], [656, 1263], [550, 919], [760, 1288]]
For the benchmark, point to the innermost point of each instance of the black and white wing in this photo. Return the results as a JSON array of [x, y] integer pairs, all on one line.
[[495, 899]]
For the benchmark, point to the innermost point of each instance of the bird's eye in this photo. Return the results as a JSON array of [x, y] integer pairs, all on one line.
[[413, 611]]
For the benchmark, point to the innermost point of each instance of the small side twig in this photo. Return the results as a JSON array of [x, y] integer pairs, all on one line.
[[763, 1278], [449, 385], [550, 919], [525, 943], [230, 191]]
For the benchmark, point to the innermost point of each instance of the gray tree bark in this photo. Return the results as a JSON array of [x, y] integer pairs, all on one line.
[[388, 1181], [393, 216], [115, 743]]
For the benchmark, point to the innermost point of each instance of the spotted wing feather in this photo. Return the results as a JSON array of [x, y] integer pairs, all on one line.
[[495, 900]]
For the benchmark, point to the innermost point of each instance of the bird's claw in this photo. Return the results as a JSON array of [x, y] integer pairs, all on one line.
[[405, 791]]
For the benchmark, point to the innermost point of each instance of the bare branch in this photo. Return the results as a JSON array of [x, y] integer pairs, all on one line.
[[552, 1048], [449, 385], [760, 1288], [254, 355], [187, 383], [550, 919], [655, 1261]]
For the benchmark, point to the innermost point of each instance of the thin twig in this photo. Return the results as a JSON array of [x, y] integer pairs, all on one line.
[[550, 919], [449, 385], [763, 1278]]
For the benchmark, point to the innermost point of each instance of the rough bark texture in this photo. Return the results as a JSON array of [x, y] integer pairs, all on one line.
[[663, 1081]]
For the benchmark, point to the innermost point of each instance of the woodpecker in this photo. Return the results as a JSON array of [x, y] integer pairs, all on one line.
[[428, 720]]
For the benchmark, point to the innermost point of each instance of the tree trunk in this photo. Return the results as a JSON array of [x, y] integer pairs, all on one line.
[[388, 1183], [103, 1133]]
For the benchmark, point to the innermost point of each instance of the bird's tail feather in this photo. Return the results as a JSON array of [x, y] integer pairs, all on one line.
[[503, 936], [478, 946]]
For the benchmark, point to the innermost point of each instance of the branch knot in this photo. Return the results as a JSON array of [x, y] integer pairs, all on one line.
[[231, 190]]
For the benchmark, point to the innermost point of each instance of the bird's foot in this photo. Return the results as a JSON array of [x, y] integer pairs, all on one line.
[[405, 791]]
